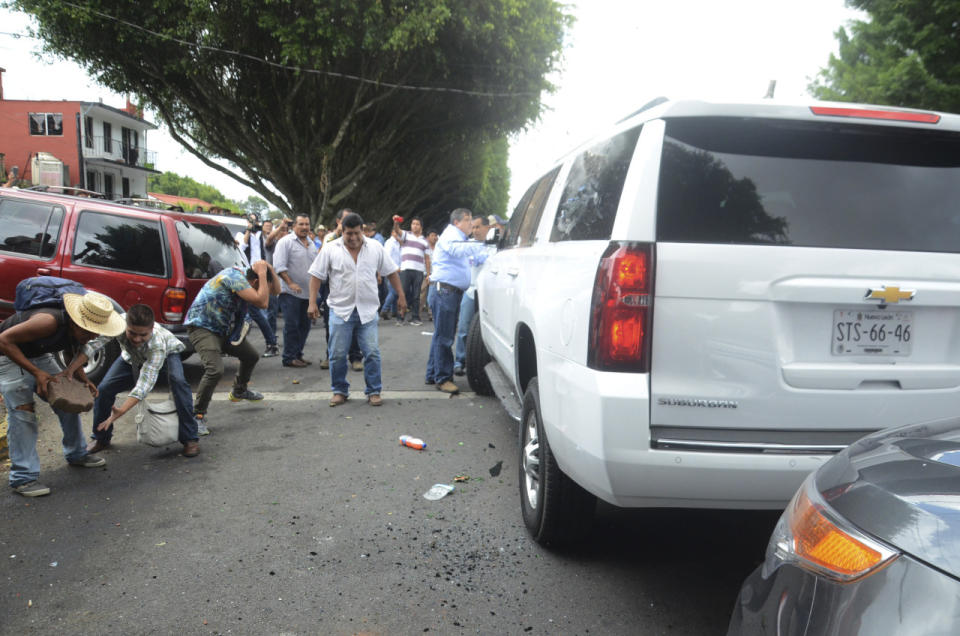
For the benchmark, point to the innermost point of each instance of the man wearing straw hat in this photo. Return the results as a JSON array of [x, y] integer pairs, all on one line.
[[28, 341]]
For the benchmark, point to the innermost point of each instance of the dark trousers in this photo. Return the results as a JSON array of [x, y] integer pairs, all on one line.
[[120, 378], [296, 326], [211, 347], [411, 280]]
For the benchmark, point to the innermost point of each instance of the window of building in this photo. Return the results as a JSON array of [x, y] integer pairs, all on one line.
[[108, 186], [88, 131], [120, 243], [107, 141], [50, 124]]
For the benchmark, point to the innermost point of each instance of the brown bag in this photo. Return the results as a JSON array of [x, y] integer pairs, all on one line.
[[69, 395]]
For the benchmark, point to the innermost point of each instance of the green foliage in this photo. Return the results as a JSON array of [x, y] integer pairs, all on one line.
[[318, 107], [908, 54], [172, 183]]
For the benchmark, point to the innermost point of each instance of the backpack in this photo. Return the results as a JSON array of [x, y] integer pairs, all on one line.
[[44, 291]]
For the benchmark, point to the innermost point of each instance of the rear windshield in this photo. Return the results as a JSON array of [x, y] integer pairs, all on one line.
[[207, 248], [762, 181]]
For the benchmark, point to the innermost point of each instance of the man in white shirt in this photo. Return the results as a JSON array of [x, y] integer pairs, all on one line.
[[292, 258], [350, 265]]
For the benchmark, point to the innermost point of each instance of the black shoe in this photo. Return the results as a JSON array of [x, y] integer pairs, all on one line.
[[272, 351], [458, 371]]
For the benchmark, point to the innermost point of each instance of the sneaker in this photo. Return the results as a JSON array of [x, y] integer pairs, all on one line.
[[271, 352], [458, 371], [357, 365], [245, 394], [399, 323], [448, 386], [31, 489], [325, 364], [415, 323], [428, 381], [201, 424], [243, 334], [89, 461]]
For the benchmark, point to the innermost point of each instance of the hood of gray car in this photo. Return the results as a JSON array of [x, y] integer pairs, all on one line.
[[903, 487]]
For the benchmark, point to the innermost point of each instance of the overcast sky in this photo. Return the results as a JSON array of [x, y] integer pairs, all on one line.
[[619, 55]]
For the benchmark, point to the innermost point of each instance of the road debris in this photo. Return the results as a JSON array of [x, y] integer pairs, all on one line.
[[438, 491]]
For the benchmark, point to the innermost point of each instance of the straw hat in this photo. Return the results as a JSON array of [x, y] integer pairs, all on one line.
[[94, 312]]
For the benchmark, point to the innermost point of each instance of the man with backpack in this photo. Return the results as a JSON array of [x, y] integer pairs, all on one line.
[[146, 350], [48, 320]]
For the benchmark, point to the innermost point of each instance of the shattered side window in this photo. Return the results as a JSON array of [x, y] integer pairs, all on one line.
[[590, 198]]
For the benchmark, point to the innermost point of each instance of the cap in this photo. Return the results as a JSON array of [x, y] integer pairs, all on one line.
[[493, 219]]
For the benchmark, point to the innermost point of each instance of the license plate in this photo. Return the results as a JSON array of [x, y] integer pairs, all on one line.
[[871, 332]]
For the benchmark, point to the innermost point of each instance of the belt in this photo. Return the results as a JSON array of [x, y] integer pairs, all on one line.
[[448, 287]]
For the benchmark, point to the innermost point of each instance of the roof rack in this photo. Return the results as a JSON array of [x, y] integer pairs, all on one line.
[[150, 203], [67, 190]]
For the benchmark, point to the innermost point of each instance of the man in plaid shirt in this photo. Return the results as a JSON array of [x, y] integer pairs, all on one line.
[[149, 348]]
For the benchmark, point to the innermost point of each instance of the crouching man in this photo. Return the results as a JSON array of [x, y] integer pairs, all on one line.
[[28, 341], [149, 349]]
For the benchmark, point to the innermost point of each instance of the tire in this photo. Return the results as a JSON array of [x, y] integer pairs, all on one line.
[[98, 365], [556, 511], [477, 359]]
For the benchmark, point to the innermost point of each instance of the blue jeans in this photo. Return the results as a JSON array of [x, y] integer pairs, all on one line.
[[260, 317], [431, 296], [446, 304], [390, 304], [296, 326], [341, 335], [120, 378], [17, 387], [467, 309], [272, 310]]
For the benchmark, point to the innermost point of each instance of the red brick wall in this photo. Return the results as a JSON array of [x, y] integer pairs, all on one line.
[[18, 144]]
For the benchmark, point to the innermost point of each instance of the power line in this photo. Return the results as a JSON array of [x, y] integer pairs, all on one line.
[[287, 67]]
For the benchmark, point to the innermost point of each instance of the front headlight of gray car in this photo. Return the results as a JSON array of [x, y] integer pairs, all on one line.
[[811, 535]]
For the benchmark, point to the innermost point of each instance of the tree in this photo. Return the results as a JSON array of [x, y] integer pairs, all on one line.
[[908, 54], [325, 100], [255, 204]]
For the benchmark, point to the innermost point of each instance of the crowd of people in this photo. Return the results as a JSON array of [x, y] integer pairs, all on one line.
[[351, 276]]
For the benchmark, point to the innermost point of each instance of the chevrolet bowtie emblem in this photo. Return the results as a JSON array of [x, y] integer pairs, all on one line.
[[889, 295]]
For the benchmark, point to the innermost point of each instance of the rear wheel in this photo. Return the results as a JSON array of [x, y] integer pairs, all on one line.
[[96, 366], [477, 359], [556, 511]]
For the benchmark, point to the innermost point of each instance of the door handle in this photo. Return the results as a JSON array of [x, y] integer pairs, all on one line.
[[43, 271], [513, 271]]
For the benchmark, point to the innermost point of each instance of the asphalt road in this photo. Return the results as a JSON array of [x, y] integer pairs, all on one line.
[[297, 518]]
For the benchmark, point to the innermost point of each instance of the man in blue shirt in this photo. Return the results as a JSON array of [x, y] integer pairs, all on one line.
[[450, 275]]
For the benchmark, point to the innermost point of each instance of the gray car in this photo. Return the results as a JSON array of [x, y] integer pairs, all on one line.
[[869, 545]]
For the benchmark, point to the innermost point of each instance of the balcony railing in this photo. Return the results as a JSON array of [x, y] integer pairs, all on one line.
[[114, 149]]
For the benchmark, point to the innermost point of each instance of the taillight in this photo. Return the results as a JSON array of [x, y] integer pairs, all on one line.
[[622, 309], [874, 113], [174, 304]]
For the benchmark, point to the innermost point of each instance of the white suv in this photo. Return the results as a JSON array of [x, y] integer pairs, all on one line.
[[705, 304]]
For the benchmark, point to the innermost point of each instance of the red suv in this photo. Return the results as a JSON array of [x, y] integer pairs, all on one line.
[[131, 254]]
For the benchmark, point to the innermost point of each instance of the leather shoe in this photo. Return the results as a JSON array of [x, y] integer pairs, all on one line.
[[97, 446], [375, 400], [357, 365], [298, 364], [191, 449], [338, 399], [448, 387], [306, 362]]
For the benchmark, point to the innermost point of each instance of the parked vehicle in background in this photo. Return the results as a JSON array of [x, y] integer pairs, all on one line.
[[703, 305], [131, 254], [869, 546]]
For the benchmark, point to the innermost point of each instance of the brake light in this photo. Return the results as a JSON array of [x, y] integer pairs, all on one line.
[[622, 309], [174, 304], [865, 113]]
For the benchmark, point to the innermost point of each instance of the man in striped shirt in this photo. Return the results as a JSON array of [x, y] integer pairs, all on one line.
[[414, 262], [149, 348]]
